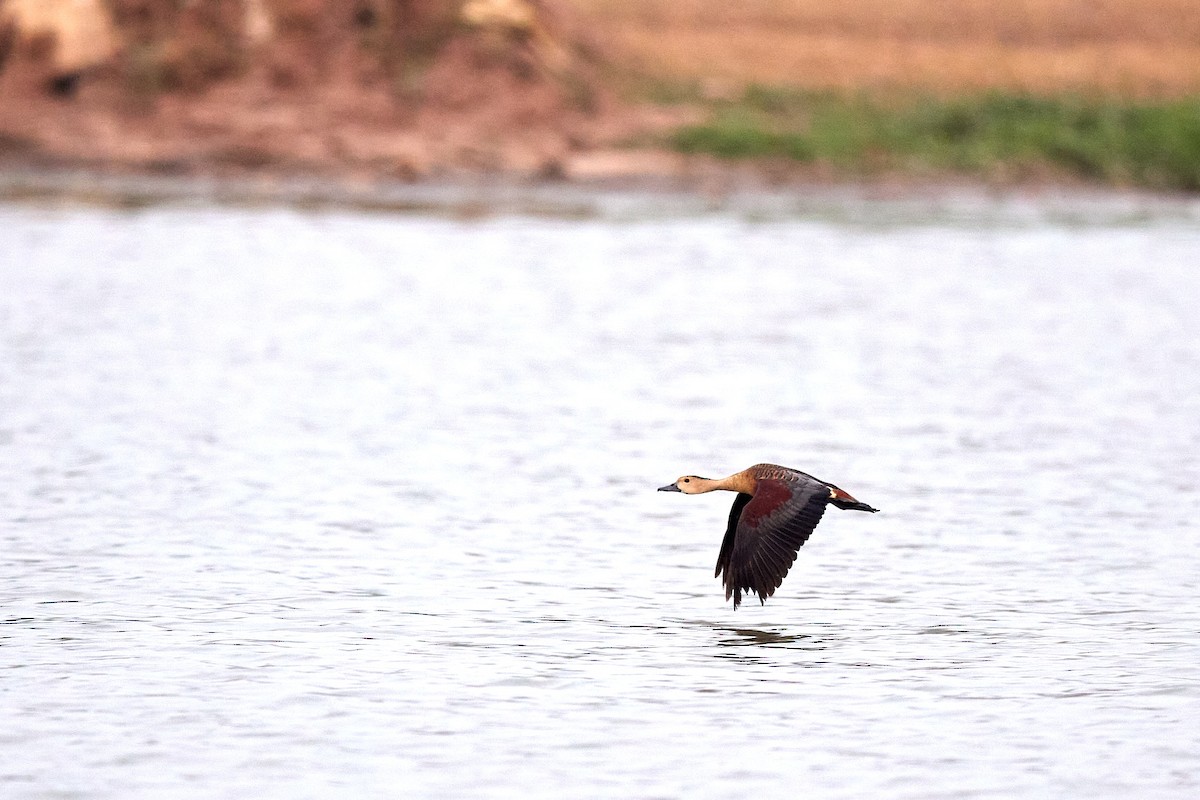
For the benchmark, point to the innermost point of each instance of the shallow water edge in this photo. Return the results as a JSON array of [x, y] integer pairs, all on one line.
[[738, 192]]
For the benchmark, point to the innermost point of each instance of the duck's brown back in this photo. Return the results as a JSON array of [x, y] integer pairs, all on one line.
[[776, 472]]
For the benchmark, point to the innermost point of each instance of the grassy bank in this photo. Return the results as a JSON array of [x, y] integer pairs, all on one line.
[[1127, 142]]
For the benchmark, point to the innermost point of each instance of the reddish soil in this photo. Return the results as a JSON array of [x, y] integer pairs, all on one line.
[[381, 88], [405, 89]]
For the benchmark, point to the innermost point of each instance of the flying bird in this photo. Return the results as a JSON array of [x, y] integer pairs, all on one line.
[[773, 515]]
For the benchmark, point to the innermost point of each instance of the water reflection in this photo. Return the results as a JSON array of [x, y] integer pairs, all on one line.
[[750, 637]]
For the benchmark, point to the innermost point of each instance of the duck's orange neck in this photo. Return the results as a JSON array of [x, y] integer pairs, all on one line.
[[742, 482]]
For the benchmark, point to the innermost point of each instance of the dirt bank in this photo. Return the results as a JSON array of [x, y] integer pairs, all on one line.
[[389, 88], [412, 89]]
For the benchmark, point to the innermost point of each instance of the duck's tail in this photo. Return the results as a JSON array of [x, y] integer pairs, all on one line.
[[853, 505], [844, 501]]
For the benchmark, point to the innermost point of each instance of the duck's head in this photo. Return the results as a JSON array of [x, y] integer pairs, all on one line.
[[688, 484]]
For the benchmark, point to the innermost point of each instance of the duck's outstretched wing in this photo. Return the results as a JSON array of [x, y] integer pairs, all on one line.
[[764, 533], [735, 514]]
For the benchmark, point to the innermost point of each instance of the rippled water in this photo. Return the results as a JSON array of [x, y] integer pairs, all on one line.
[[312, 504]]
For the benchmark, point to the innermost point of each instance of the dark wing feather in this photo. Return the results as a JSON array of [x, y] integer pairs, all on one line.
[[771, 527], [735, 514]]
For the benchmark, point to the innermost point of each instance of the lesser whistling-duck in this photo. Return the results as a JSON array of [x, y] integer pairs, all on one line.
[[773, 515]]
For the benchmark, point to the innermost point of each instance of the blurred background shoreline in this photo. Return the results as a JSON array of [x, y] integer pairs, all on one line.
[[374, 94]]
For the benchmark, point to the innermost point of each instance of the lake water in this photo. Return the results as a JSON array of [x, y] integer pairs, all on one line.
[[333, 503]]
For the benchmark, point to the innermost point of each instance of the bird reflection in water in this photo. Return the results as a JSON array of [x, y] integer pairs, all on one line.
[[752, 637]]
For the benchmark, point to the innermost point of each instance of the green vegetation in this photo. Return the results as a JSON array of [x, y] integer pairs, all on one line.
[[1154, 144]]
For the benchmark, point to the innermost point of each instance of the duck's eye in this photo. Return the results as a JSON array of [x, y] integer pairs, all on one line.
[[687, 480]]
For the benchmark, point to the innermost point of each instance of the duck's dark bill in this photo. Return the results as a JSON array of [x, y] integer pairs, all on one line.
[[670, 487]]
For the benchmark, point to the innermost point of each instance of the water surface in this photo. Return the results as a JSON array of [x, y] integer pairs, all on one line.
[[305, 504]]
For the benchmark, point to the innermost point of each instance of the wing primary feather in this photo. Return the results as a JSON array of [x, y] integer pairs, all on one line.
[[727, 544]]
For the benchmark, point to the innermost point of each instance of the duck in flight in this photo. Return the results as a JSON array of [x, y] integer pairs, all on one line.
[[773, 515]]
